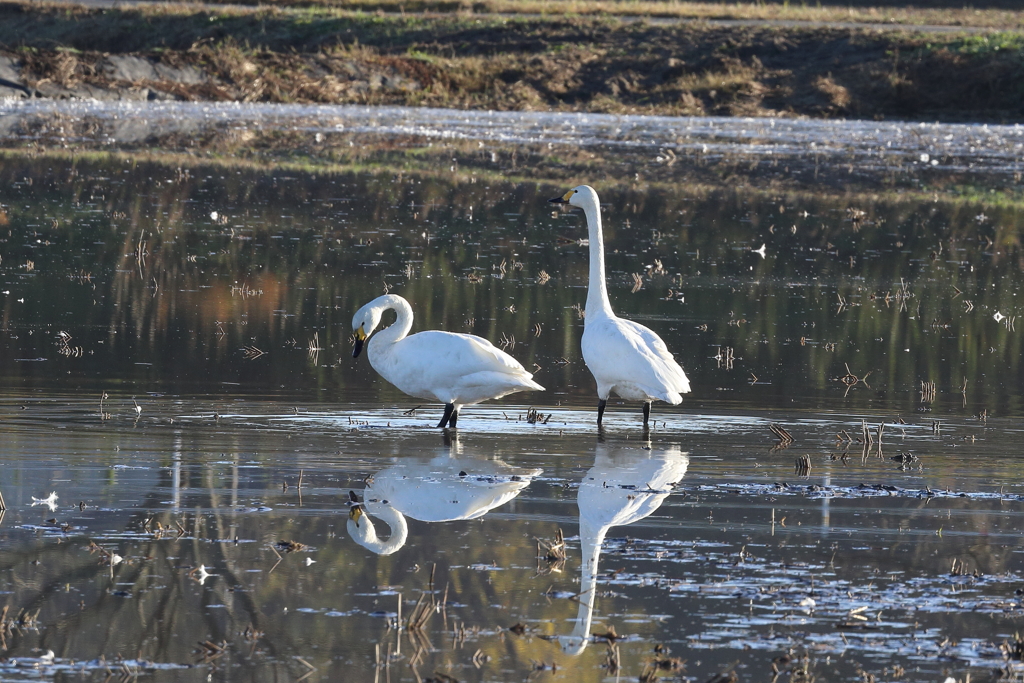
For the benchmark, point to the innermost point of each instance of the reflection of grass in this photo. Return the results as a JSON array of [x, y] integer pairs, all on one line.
[[554, 170]]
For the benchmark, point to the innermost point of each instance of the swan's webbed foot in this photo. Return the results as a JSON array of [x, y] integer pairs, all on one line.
[[449, 417], [647, 413], [600, 410]]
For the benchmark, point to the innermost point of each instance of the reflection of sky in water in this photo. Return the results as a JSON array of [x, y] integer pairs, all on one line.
[[871, 144]]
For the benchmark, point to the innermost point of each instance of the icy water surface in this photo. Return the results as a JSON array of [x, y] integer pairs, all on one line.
[[185, 432]]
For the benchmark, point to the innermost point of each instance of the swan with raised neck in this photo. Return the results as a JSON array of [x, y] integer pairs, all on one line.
[[625, 357], [625, 485]]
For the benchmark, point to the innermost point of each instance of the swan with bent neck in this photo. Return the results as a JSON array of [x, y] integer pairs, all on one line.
[[625, 357], [455, 369], [449, 487]]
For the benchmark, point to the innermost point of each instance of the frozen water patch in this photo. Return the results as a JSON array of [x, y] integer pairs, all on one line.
[[869, 145]]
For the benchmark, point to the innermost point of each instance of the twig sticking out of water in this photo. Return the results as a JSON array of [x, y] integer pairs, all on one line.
[[553, 553], [533, 416], [784, 437], [313, 348], [420, 614], [803, 465], [480, 658], [725, 357], [661, 662], [209, 651], [611, 660], [927, 392], [252, 352], [310, 672], [851, 380], [1013, 651], [638, 283], [866, 437]]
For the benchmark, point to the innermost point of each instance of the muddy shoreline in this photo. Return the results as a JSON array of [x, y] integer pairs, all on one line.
[[556, 64]]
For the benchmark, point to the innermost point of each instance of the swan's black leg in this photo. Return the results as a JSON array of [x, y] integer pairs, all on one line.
[[454, 418], [449, 408], [647, 412], [600, 410]]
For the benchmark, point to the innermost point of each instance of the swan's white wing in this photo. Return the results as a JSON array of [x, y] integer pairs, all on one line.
[[462, 353], [657, 346], [631, 359], [450, 367]]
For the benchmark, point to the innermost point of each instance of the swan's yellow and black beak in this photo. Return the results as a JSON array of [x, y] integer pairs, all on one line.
[[360, 338], [564, 199], [355, 513]]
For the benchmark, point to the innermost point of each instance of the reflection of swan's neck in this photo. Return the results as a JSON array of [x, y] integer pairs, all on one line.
[[361, 529], [597, 291], [591, 538], [397, 330]]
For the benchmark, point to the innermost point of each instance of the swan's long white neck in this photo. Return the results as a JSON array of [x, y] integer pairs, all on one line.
[[597, 292], [395, 332], [367, 535], [591, 539]]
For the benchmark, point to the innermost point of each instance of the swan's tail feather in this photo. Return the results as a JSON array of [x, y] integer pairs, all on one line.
[[530, 385], [671, 397]]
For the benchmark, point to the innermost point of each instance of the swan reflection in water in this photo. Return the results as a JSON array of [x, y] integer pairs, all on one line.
[[625, 485], [450, 486]]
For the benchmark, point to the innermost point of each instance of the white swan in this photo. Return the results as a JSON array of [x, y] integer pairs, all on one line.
[[362, 531], [625, 357], [625, 485], [442, 489], [455, 369]]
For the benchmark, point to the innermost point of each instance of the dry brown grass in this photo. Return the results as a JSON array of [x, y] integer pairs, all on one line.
[[911, 16], [1002, 19], [578, 64]]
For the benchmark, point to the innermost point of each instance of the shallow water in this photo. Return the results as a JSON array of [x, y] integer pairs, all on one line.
[[175, 362], [714, 546], [871, 146]]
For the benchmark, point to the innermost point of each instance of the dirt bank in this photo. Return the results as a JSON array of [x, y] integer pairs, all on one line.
[[582, 64]]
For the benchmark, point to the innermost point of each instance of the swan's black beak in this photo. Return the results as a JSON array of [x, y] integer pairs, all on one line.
[[360, 338], [564, 199]]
